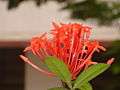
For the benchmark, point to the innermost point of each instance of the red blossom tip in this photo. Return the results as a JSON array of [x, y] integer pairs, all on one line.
[[110, 61]]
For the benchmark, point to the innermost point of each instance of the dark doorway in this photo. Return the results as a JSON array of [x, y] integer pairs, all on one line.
[[12, 70]]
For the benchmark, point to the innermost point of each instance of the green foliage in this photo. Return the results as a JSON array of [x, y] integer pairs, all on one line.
[[57, 88], [59, 68], [86, 86], [15, 3], [81, 83], [103, 11], [90, 73], [95, 9]]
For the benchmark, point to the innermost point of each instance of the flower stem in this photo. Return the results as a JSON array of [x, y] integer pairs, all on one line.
[[70, 86]]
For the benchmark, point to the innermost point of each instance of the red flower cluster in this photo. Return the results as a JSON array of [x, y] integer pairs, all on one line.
[[68, 42]]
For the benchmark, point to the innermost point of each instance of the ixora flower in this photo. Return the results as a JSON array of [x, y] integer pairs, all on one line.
[[70, 44]]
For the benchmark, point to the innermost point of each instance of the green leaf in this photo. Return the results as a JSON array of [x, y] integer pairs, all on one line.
[[86, 86], [59, 68], [90, 73], [57, 88]]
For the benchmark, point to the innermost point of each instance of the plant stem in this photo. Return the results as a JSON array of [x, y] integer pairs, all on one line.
[[70, 86]]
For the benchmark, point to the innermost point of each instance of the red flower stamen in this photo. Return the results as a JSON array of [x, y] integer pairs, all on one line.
[[68, 42]]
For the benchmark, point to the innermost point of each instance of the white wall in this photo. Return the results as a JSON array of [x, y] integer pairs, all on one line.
[[27, 20]]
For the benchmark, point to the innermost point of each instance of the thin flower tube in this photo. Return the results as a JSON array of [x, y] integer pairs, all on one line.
[[68, 42]]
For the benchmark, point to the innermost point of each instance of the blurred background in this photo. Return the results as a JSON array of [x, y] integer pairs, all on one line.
[[22, 19]]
